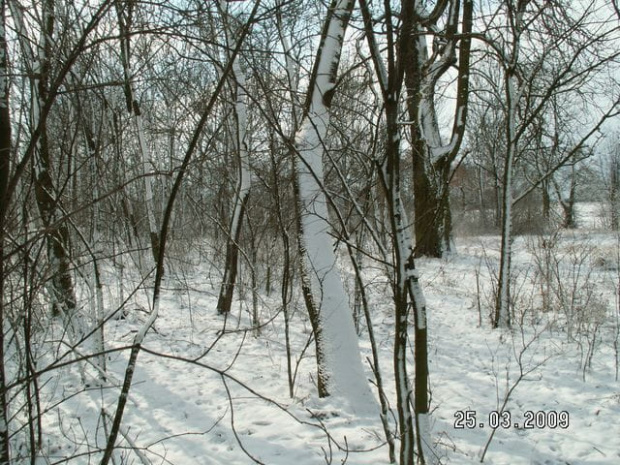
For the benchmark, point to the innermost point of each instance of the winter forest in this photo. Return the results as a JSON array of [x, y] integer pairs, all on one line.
[[309, 232]]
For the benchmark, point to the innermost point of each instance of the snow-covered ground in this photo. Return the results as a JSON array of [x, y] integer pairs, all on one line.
[[208, 391]]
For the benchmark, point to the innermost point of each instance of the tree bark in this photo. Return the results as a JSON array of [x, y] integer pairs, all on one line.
[[58, 238], [125, 18], [5, 160], [513, 92], [614, 191], [431, 158]]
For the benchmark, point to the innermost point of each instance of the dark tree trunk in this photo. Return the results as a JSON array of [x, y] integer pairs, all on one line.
[[429, 201], [430, 205], [58, 238], [614, 189], [231, 265], [402, 306], [5, 158], [568, 204], [546, 201], [432, 159]]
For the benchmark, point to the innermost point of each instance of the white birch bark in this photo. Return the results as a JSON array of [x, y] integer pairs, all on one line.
[[342, 364], [240, 145], [148, 180], [241, 140], [513, 94], [58, 239], [5, 158], [97, 306], [135, 112], [502, 311]]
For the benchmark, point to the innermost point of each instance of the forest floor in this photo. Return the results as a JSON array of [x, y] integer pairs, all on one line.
[[208, 391]]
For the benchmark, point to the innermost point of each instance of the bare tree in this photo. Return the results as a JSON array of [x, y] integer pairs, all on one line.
[[432, 158], [38, 60], [5, 160], [543, 51], [341, 369], [125, 12], [408, 295], [242, 189]]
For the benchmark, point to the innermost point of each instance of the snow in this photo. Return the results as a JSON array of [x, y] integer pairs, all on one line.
[[203, 395]]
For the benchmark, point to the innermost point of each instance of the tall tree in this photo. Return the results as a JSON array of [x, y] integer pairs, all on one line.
[[544, 50], [5, 164], [408, 295], [242, 158], [38, 61], [341, 369], [125, 13]]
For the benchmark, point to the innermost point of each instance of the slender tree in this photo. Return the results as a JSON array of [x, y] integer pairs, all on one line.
[[243, 184], [408, 294], [39, 66], [560, 57], [5, 165], [125, 13]]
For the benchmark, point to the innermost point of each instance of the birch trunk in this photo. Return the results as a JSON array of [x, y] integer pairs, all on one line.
[[341, 368], [502, 305], [95, 283], [513, 94], [58, 239], [614, 192], [242, 190], [125, 18]]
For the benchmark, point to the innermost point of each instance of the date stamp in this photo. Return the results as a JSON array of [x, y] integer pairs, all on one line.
[[469, 419]]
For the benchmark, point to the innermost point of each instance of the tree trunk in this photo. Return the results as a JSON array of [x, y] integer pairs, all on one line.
[[306, 292], [58, 239], [125, 18], [546, 200], [513, 93], [341, 370], [5, 159], [242, 193], [408, 297], [614, 191], [502, 302], [428, 221], [231, 264], [403, 254], [568, 203], [429, 194], [432, 159]]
